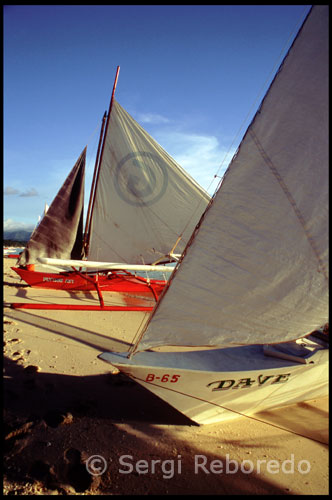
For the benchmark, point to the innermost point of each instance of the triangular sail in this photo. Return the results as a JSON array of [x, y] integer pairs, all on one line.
[[256, 270], [59, 233], [144, 200]]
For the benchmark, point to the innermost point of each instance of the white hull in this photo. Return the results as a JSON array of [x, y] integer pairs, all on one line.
[[11, 250], [209, 386]]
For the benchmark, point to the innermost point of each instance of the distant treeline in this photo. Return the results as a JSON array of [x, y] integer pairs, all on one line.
[[14, 243]]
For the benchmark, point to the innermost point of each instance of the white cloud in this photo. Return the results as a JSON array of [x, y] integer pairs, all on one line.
[[9, 191], [11, 225], [30, 192], [152, 118], [201, 156]]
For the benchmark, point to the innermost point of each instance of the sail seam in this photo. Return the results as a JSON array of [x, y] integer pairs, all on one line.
[[291, 200]]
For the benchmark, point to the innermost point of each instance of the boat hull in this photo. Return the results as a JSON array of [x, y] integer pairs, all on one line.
[[12, 252], [222, 384], [77, 281]]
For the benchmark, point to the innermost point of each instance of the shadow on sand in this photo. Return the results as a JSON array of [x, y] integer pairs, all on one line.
[[53, 423]]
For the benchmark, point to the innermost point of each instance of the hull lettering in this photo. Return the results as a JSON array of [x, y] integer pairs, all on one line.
[[224, 385]]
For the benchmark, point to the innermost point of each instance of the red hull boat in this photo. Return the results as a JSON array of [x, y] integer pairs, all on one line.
[[142, 206], [122, 282]]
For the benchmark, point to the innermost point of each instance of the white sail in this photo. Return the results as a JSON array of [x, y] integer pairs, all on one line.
[[144, 200], [256, 270]]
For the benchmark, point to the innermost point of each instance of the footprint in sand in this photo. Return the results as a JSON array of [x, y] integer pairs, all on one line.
[[76, 472], [17, 353], [19, 361], [32, 369], [7, 321], [21, 356], [55, 418]]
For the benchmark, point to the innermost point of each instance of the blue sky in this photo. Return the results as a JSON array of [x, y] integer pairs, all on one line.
[[192, 76]]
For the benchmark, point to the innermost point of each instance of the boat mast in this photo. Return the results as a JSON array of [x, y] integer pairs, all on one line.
[[97, 172], [93, 184]]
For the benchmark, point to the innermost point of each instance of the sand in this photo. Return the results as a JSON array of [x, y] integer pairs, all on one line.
[[63, 406]]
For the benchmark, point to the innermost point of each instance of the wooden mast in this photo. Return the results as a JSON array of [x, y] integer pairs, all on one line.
[[93, 184], [97, 172]]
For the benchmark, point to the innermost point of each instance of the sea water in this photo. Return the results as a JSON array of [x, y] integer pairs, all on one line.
[[156, 275]]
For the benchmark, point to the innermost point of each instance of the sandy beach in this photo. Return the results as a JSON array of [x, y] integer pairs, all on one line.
[[73, 427]]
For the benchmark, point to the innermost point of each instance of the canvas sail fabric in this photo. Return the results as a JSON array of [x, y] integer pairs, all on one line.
[[59, 234], [256, 271], [144, 199]]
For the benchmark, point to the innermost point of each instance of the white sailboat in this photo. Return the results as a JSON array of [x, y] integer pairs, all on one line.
[[239, 326], [142, 210]]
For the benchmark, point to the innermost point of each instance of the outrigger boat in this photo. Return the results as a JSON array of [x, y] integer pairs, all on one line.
[[239, 326], [143, 208], [12, 252]]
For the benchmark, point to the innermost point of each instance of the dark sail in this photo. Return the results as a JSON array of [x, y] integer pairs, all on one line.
[[60, 232]]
